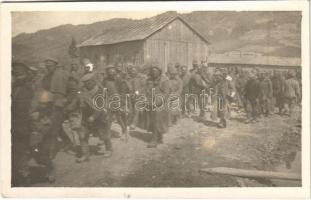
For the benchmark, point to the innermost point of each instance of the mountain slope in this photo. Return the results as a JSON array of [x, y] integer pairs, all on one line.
[[266, 33]]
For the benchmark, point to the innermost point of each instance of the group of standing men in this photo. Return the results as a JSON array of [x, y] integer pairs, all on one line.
[[61, 107]]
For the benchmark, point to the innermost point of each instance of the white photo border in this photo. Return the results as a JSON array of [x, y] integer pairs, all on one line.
[[230, 192]]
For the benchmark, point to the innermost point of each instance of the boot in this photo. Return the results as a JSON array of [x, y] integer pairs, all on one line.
[[51, 178], [85, 154], [101, 150], [154, 141], [160, 139], [152, 144], [108, 154], [224, 122]]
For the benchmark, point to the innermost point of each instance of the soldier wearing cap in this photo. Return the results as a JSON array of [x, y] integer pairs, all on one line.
[[50, 65], [22, 94], [198, 87], [56, 82], [195, 66], [177, 66], [240, 82], [41, 137], [266, 93], [94, 118], [117, 85], [278, 85], [137, 82], [185, 78], [155, 117], [221, 97], [291, 92], [251, 94], [175, 86]]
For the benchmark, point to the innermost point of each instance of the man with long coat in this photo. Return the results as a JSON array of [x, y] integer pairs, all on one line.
[[198, 86], [118, 88], [221, 98], [266, 94], [252, 89], [175, 86], [185, 78], [95, 118], [137, 83], [291, 92], [22, 94], [56, 82], [278, 86], [155, 116]]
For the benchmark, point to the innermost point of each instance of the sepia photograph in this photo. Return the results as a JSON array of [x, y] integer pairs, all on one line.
[[167, 98]]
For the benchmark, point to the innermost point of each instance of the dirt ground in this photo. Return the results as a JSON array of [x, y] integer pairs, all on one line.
[[189, 146]]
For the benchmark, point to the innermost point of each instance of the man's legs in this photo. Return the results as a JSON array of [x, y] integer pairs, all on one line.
[[83, 133], [56, 129], [104, 130], [20, 157]]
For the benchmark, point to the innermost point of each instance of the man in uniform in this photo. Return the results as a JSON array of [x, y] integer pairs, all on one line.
[[266, 93], [95, 118], [223, 92], [252, 89], [137, 82], [22, 94], [291, 92], [156, 117], [118, 87], [198, 86], [185, 78], [240, 85], [55, 82], [175, 86], [278, 86]]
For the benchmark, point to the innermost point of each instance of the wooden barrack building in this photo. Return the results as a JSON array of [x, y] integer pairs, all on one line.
[[163, 39]]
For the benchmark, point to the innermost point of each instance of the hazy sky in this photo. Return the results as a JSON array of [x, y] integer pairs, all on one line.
[[30, 22]]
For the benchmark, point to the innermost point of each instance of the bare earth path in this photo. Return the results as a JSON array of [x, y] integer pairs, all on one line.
[[188, 146]]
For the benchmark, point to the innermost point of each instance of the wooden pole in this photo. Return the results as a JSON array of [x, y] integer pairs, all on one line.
[[252, 173]]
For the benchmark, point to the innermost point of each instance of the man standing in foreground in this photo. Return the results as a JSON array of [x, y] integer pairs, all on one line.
[[22, 95], [185, 78], [291, 92], [95, 118], [55, 81], [251, 97]]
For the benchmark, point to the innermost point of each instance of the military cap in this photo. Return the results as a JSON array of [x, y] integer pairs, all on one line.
[[184, 66], [86, 61], [33, 69], [155, 64], [177, 65], [110, 67], [131, 66], [204, 64], [19, 65], [291, 73], [172, 70], [217, 72], [87, 77], [155, 67], [252, 74], [51, 59]]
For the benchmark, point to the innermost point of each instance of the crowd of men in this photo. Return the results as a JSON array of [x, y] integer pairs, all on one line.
[[56, 109]]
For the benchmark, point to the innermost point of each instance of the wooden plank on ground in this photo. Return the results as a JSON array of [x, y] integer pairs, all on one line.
[[252, 173]]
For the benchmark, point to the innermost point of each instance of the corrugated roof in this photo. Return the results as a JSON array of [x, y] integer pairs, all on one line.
[[254, 60], [136, 31]]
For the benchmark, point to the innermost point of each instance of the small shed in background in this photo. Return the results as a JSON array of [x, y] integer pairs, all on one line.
[[163, 39], [251, 61]]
